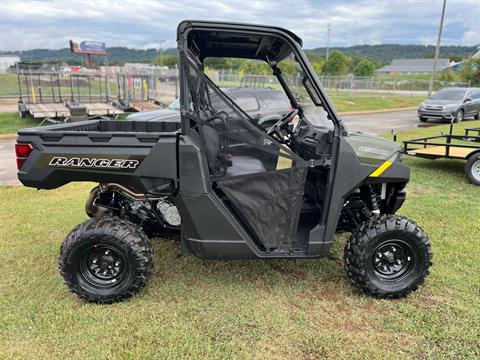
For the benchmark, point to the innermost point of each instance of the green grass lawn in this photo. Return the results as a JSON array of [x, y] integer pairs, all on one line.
[[282, 309], [10, 123], [364, 103]]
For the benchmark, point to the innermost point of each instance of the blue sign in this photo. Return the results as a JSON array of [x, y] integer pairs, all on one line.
[[93, 46]]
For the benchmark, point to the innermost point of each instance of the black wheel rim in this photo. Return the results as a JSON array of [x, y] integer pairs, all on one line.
[[103, 266], [393, 260]]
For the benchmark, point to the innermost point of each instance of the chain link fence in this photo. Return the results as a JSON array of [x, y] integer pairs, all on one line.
[[349, 85], [161, 85]]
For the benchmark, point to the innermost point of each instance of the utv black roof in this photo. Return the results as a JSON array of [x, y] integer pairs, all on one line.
[[225, 39]]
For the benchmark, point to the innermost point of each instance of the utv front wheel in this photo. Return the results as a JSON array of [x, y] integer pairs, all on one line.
[[106, 259], [388, 257]]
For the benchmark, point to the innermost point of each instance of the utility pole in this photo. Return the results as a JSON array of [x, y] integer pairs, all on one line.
[[161, 53], [437, 49], [329, 28]]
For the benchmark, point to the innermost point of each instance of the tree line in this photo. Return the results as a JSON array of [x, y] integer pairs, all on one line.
[[337, 63]]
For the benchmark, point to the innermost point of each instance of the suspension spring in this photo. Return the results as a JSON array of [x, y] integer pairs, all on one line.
[[375, 199]]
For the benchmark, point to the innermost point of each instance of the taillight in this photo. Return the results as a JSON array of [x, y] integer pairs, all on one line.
[[22, 151]]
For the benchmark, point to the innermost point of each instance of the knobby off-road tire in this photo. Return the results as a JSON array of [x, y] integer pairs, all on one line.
[[472, 169], [388, 257], [106, 259]]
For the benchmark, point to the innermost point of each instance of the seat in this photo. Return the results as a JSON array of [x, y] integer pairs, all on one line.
[[242, 165]]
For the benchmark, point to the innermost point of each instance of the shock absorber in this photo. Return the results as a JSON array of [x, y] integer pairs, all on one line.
[[375, 199]]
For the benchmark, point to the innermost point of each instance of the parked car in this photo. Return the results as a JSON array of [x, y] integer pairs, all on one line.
[[265, 105], [458, 103]]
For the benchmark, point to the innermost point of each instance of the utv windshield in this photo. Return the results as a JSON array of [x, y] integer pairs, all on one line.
[[302, 90], [261, 61]]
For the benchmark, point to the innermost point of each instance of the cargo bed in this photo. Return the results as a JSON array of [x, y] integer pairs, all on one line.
[[137, 154]]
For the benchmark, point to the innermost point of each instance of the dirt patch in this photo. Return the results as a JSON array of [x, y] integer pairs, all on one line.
[[8, 107]]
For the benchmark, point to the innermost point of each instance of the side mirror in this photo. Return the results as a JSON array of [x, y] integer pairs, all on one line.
[[467, 100]]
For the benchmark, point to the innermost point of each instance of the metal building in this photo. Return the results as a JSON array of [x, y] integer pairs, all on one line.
[[8, 60]]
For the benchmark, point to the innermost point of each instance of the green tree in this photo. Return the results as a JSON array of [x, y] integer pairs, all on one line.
[[365, 67], [318, 66], [445, 76], [166, 60], [254, 67], [471, 71], [337, 64], [288, 67], [218, 63]]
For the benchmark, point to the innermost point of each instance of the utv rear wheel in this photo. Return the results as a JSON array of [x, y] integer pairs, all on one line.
[[472, 169], [106, 259], [388, 257]]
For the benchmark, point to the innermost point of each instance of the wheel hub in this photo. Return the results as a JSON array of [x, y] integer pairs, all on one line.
[[476, 170], [104, 263], [392, 260]]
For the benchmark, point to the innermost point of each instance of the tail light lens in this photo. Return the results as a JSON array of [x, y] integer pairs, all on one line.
[[22, 151]]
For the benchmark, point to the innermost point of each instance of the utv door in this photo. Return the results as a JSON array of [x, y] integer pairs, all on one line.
[[259, 180]]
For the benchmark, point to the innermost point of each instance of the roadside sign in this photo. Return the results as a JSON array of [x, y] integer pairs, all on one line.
[[93, 46], [89, 47]]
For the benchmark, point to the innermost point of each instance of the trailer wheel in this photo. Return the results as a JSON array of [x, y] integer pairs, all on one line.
[[472, 169], [388, 257], [106, 259]]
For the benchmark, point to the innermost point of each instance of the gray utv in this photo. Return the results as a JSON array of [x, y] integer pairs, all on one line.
[[226, 187]]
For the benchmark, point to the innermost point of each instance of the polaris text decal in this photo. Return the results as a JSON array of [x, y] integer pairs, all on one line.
[[77, 162], [371, 150]]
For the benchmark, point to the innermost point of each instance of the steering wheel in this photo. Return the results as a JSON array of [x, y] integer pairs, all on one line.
[[275, 129]]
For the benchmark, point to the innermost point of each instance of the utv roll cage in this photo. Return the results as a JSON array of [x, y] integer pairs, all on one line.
[[202, 40]]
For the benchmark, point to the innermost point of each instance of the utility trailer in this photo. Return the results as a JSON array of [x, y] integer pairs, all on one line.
[[450, 146], [136, 92], [55, 97], [473, 131]]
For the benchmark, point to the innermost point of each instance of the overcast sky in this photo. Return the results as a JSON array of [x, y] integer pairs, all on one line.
[[27, 24]]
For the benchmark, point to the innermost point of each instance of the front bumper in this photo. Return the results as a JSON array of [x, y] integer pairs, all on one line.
[[437, 114]]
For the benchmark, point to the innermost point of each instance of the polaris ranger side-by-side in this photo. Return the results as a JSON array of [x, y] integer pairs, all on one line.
[[225, 186]]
